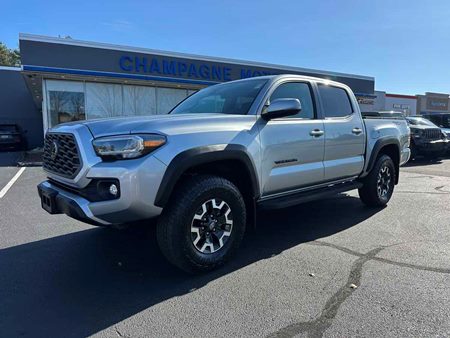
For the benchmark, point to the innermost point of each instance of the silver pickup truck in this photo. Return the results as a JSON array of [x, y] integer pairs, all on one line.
[[222, 154]]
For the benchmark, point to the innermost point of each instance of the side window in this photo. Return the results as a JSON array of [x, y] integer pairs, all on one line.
[[296, 90], [335, 101]]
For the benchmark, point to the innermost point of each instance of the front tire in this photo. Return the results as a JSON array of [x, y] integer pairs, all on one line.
[[379, 184], [203, 224]]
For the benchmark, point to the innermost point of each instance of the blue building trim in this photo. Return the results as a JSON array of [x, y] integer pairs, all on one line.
[[114, 75]]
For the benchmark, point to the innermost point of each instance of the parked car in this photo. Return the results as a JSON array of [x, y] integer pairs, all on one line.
[[11, 137], [221, 155], [442, 120], [427, 139]]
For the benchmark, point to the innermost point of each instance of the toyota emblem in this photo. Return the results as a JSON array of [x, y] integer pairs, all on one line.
[[54, 148]]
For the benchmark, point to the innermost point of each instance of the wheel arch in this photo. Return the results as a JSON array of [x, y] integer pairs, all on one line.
[[389, 146], [210, 160]]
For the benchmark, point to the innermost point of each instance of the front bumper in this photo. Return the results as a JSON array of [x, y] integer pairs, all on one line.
[[437, 147], [138, 179], [55, 200]]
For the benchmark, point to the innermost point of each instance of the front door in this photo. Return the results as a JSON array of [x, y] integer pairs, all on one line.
[[292, 147]]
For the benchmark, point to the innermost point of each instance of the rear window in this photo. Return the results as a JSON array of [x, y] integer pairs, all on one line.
[[335, 101]]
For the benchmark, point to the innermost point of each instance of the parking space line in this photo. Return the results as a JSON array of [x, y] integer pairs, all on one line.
[[11, 182]]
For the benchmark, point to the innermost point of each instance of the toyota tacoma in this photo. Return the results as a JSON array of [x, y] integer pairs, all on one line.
[[206, 168]]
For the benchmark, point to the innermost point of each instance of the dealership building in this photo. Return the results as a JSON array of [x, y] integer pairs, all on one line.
[[62, 80]]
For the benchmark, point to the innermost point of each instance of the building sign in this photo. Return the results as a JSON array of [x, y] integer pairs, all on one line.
[[183, 69], [366, 99], [435, 103]]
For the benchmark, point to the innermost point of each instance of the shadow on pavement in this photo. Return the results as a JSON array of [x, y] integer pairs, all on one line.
[[84, 282], [422, 162]]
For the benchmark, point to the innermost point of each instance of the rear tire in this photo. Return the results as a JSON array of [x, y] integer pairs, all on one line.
[[379, 184], [203, 224]]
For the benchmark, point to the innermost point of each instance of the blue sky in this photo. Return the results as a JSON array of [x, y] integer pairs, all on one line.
[[405, 45]]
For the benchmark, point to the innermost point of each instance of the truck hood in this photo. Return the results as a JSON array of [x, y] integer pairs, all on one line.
[[169, 124]]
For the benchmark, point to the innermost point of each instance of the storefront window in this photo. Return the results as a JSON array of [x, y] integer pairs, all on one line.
[[103, 100], [65, 101], [139, 100], [76, 100], [168, 98]]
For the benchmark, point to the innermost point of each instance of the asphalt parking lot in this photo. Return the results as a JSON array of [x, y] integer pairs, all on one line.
[[332, 268]]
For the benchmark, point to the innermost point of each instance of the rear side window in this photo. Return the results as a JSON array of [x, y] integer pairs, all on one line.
[[335, 101], [296, 90]]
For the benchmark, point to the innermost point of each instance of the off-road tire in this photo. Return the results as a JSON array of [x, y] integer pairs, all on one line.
[[174, 225], [369, 193]]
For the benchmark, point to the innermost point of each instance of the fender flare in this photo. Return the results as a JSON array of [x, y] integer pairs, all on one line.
[[202, 155], [379, 144]]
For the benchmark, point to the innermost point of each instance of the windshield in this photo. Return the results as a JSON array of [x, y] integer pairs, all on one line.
[[420, 121], [9, 128], [230, 98]]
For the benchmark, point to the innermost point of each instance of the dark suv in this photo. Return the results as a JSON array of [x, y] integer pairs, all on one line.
[[427, 139], [442, 120], [11, 137]]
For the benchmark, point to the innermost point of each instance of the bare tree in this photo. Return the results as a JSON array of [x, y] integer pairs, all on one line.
[[77, 101], [58, 100]]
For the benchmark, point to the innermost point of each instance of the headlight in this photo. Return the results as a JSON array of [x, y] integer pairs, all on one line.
[[127, 146]]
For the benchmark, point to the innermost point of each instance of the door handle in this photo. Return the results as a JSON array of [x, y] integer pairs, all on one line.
[[356, 131], [316, 132]]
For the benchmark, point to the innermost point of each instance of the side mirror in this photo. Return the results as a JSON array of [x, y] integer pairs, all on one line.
[[282, 108]]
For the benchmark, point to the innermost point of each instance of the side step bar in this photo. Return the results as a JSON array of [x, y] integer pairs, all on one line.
[[307, 196]]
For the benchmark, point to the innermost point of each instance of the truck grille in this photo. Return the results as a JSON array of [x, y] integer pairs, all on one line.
[[432, 134], [61, 155]]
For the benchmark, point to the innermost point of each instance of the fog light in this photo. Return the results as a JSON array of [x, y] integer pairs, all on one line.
[[113, 190]]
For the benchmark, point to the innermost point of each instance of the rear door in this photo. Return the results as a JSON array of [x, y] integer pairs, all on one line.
[[345, 138], [292, 147]]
